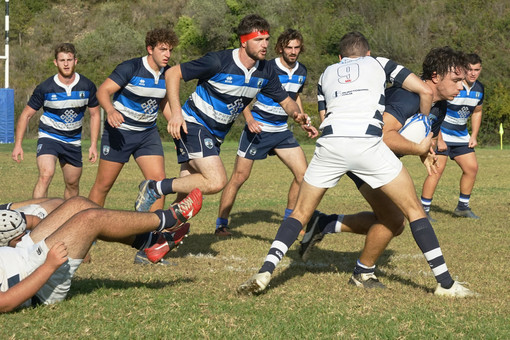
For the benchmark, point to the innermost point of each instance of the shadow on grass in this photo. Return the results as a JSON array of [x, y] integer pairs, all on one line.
[[81, 286], [328, 261]]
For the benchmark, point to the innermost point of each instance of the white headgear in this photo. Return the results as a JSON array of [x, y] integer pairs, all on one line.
[[12, 224]]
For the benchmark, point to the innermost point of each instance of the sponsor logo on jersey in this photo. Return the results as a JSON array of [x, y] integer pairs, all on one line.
[[301, 79], [208, 143], [82, 94], [142, 82], [259, 83], [39, 251], [106, 149], [228, 80], [53, 97]]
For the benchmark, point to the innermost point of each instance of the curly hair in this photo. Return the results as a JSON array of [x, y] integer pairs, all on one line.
[[353, 44], [250, 23], [284, 39], [161, 36], [65, 48], [442, 60]]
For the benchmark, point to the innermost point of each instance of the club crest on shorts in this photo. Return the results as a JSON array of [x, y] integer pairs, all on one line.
[[208, 143], [39, 147], [106, 149], [252, 151]]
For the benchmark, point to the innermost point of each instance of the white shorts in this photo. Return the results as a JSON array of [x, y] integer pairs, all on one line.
[[368, 158], [58, 285], [33, 209]]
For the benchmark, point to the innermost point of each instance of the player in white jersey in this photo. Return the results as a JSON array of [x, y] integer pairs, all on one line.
[[266, 131], [351, 100], [443, 72], [38, 267], [63, 98], [456, 142]]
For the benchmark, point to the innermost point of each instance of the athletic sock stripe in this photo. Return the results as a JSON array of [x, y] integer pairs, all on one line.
[[338, 224], [272, 259], [440, 269], [432, 254], [280, 246]]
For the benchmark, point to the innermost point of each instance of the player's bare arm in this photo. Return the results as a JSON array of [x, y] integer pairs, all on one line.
[[253, 125], [28, 287], [104, 94], [476, 121], [399, 144], [414, 84], [95, 127], [173, 83], [293, 110], [21, 127]]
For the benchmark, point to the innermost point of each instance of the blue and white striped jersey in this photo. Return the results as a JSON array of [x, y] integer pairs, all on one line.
[[224, 88], [403, 104], [454, 127], [142, 90], [352, 94], [63, 107], [270, 113]]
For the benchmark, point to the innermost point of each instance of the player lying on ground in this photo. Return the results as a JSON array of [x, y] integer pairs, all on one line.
[[38, 267]]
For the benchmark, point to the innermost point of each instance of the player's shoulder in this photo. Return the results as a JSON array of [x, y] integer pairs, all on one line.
[[85, 80], [479, 86]]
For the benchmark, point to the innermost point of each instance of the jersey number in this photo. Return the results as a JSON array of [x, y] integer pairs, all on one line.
[[347, 73]]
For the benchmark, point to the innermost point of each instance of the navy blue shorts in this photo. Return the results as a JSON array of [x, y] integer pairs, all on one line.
[[118, 145], [197, 143], [455, 150], [259, 145], [66, 153]]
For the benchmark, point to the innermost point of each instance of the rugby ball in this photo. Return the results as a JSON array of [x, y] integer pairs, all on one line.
[[416, 128]]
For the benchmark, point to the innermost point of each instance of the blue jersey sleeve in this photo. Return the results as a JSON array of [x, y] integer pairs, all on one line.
[[273, 88], [123, 73], [202, 68], [401, 103], [36, 101]]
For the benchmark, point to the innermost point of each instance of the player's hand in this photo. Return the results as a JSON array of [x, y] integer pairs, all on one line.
[[17, 152], [430, 162], [93, 154], [472, 143], [57, 255], [441, 145], [114, 118], [254, 126], [425, 144], [175, 123]]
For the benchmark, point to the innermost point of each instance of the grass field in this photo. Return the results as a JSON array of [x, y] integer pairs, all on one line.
[[195, 298]]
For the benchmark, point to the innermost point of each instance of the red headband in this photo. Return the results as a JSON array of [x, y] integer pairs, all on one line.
[[254, 34]]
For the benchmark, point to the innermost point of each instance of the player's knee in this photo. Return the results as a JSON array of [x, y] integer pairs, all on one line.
[[400, 229]]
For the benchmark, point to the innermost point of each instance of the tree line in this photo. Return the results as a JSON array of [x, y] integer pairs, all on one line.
[[109, 32]]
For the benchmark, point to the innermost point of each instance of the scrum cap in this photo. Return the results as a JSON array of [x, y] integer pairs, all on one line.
[[12, 224]]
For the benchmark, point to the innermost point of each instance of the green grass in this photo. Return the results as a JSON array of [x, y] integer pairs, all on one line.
[[194, 298]]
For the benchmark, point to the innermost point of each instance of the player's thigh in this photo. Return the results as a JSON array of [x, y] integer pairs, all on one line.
[[152, 167], [107, 172], [294, 159], [309, 198], [211, 168], [386, 212], [71, 173], [402, 192], [467, 162], [46, 164]]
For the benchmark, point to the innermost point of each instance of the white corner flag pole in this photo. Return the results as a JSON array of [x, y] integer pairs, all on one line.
[[6, 56]]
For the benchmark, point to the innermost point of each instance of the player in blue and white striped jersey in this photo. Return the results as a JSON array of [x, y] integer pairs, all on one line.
[[266, 131], [64, 99], [227, 82], [138, 89], [456, 142]]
